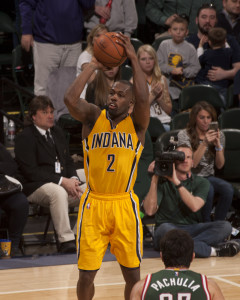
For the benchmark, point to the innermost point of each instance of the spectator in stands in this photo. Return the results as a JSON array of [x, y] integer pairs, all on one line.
[[229, 18], [177, 202], [161, 13], [98, 90], [218, 56], [54, 29], [159, 98], [15, 205], [118, 15], [47, 171], [207, 19], [86, 56], [177, 254], [178, 60], [208, 153]]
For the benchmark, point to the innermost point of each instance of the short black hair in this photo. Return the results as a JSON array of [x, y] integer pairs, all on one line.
[[205, 6], [177, 248]]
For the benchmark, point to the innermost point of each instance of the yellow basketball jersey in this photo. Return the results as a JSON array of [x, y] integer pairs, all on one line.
[[111, 156]]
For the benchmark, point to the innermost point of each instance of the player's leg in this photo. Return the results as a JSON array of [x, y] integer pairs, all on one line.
[[131, 276], [85, 285], [92, 242], [126, 240]]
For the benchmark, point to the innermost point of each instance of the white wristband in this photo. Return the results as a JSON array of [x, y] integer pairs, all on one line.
[[219, 149]]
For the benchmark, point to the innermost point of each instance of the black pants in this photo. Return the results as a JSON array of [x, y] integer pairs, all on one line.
[[16, 208]]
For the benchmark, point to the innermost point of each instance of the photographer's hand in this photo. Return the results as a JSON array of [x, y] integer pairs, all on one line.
[[194, 203], [150, 203], [173, 178], [151, 167]]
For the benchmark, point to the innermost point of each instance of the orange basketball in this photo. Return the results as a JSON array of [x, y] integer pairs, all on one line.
[[107, 51]]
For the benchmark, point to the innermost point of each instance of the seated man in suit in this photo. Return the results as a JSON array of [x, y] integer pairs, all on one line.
[[48, 174]]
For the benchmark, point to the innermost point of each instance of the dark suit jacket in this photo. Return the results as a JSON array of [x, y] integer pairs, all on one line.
[[224, 23], [7, 164], [36, 158]]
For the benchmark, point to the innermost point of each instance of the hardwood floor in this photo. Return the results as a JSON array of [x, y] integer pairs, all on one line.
[[59, 282]]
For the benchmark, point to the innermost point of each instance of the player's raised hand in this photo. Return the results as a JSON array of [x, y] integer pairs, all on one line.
[[96, 64], [126, 43]]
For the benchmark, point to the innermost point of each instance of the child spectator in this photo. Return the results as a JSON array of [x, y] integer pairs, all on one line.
[[178, 60], [218, 55]]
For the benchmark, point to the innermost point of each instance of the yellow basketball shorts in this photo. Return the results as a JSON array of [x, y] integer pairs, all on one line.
[[104, 219]]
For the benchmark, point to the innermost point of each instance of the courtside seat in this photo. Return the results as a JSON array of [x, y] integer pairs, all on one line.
[[230, 118], [192, 94], [231, 170], [180, 120]]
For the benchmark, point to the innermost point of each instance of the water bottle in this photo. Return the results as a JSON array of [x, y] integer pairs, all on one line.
[[102, 20], [5, 126], [11, 130]]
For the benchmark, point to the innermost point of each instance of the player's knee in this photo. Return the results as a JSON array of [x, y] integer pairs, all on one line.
[[86, 278], [131, 275]]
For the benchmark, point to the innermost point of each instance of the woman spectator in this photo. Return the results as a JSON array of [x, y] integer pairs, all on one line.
[[86, 56], [208, 153], [159, 98]]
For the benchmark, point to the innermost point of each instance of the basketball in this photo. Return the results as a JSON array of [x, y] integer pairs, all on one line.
[[107, 51]]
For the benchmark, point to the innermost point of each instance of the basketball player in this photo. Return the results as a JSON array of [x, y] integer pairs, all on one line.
[[176, 281], [112, 141]]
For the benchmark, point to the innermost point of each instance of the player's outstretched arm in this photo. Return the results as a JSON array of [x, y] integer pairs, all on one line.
[[214, 289], [141, 112], [80, 109]]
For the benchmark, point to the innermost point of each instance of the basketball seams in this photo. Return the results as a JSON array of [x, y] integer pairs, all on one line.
[[114, 44], [102, 49], [106, 53], [109, 57]]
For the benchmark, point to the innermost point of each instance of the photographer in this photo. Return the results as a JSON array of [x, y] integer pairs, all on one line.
[[177, 203]]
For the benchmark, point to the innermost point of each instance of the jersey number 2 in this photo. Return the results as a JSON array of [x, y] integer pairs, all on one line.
[[111, 158]]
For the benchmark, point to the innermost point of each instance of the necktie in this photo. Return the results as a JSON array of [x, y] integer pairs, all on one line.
[[49, 139]]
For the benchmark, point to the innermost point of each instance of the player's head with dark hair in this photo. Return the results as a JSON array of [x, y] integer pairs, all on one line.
[[176, 249], [217, 37], [206, 18], [206, 6], [120, 99]]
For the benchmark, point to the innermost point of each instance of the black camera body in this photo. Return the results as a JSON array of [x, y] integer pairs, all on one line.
[[164, 162]]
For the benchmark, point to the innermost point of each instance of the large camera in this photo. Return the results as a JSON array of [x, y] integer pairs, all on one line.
[[164, 159]]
